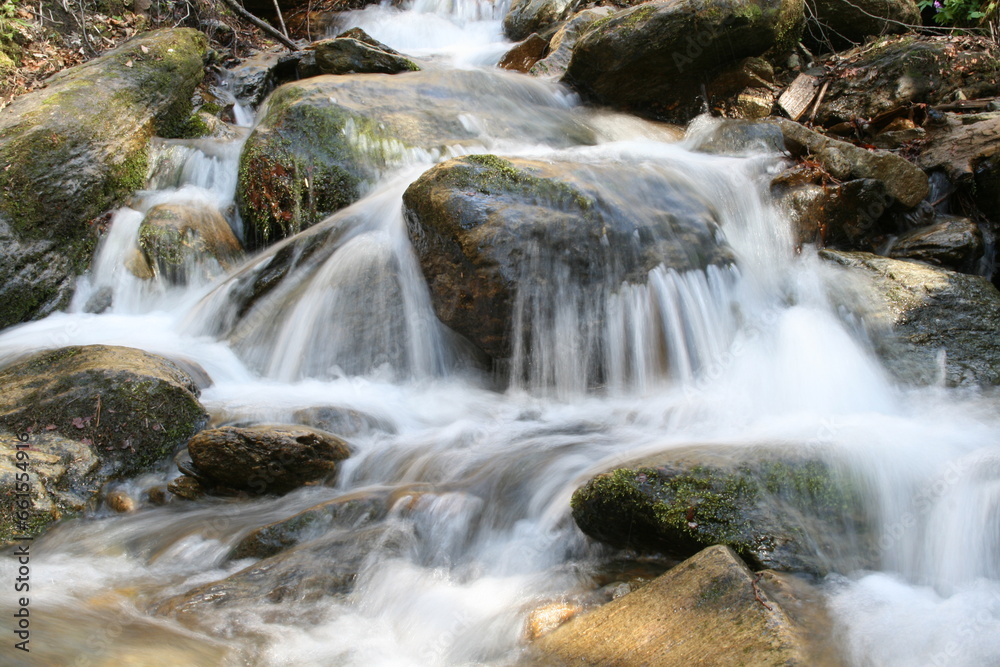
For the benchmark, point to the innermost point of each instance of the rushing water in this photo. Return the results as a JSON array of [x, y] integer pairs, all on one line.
[[477, 470]]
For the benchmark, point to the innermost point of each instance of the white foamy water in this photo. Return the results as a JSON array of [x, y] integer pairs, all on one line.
[[476, 469]]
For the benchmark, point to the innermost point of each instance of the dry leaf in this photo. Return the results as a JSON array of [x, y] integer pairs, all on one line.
[[128, 63], [145, 49]]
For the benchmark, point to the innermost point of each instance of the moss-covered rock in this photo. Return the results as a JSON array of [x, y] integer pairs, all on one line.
[[485, 227], [266, 459], [132, 407], [781, 511], [78, 147], [175, 239], [654, 58], [321, 141], [944, 326]]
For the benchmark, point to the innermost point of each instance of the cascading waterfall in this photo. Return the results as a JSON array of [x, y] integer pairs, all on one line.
[[478, 470]]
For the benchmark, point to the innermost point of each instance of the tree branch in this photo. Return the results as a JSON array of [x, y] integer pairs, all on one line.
[[266, 27]]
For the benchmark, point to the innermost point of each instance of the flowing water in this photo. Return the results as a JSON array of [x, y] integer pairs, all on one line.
[[478, 469]]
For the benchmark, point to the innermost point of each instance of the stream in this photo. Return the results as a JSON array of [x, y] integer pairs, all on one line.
[[478, 469]]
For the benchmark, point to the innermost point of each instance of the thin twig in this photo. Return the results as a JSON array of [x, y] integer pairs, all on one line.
[[756, 592], [819, 100], [266, 27], [281, 19]]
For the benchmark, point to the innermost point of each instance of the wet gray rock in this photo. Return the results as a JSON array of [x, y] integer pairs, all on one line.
[[953, 243], [560, 47], [527, 16], [849, 215], [903, 180], [343, 55], [485, 227], [945, 324], [654, 58], [266, 459]]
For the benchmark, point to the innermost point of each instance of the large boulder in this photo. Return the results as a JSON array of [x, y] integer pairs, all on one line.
[[485, 228], [898, 71], [654, 59], [853, 20], [323, 139], [779, 510], [944, 324], [708, 610], [77, 148], [560, 47], [527, 16], [266, 459]]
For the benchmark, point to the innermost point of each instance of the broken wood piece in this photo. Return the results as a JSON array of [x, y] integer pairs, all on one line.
[[798, 96]]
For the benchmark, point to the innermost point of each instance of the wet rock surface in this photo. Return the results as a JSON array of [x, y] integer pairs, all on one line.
[[266, 459], [485, 227], [654, 58], [710, 609], [323, 139], [945, 323]]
